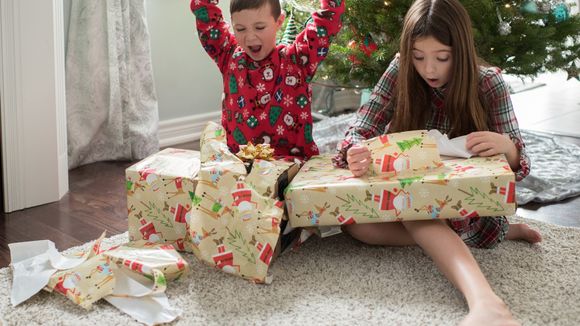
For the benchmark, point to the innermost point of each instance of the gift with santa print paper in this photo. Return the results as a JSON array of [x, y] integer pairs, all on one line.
[[235, 219], [160, 190], [420, 187]]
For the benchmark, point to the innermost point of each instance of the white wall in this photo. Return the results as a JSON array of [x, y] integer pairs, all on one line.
[[187, 81]]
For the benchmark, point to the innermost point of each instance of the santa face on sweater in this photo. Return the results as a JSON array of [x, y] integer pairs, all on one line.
[[255, 30]]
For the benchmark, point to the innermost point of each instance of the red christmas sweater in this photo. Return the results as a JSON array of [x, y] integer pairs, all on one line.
[[268, 101]]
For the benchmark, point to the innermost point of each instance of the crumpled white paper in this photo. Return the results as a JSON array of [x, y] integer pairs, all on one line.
[[450, 147], [34, 262], [138, 297]]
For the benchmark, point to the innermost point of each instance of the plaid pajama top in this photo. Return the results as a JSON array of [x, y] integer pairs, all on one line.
[[372, 120]]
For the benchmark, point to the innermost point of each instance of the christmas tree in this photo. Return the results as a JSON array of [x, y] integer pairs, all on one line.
[[523, 38]]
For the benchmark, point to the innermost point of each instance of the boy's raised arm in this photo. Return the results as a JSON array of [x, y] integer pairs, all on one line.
[[213, 31], [312, 44]]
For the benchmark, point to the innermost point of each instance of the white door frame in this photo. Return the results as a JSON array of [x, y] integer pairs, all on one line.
[[32, 103]]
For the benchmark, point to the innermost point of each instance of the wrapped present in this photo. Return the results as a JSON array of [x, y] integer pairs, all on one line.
[[235, 220], [401, 152], [321, 194], [270, 178], [160, 189]]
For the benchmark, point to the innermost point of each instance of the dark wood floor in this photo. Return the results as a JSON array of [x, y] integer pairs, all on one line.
[[97, 201]]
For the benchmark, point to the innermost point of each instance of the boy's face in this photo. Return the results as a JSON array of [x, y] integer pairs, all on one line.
[[255, 30], [433, 61]]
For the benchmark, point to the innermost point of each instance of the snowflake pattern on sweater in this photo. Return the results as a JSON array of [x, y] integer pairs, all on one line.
[[269, 101]]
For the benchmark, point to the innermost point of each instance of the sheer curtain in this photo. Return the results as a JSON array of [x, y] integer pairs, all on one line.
[[111, 101]]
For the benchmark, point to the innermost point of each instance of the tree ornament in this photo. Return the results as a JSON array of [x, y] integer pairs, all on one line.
[[529, 7], [304, 5], [561, 12], [504, 28], [290, 32], [545, 7], [369, 46], [353, 46]]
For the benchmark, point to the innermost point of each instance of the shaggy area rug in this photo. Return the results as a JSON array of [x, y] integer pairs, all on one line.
[[339, 281]]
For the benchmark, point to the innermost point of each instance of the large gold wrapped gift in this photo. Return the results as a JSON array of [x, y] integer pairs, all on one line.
[[160, 189], [321, 194], [235, 221]]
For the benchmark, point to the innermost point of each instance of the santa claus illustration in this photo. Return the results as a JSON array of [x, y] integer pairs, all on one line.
[[243, 201], [397, 200], [393, 163]]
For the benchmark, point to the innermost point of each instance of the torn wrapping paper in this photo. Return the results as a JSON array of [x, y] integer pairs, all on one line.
[[159, 193], [84, 278], [450, 147], [321, 194], [35, 262], [235, 221], [400, 152]]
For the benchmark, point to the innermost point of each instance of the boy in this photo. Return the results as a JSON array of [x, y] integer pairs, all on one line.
[[267, 91]]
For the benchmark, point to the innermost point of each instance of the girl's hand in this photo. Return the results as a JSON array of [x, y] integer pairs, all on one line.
[[488, 143], [359, 160]]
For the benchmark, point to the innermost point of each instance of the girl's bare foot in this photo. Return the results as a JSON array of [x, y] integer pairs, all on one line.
[[489, 313], [523, 232]]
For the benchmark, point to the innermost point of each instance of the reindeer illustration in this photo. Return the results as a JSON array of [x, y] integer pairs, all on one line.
[[435, 210], [178, 188], [197, 238], [464, 212], [103, 272], [315, 217], [216, 206]]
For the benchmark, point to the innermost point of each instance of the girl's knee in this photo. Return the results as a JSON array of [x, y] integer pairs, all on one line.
[[361, 232]]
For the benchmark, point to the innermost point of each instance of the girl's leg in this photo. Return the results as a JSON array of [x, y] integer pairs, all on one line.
[[456, 262], [523, 232], [385, 234]]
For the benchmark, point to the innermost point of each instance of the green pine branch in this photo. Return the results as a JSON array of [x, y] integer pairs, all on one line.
[[358, 207], [236, 240], [478, 199]]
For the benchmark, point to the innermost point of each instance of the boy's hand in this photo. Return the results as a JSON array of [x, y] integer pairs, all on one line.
[[359, 160]]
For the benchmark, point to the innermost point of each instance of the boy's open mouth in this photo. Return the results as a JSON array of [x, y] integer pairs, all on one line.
[[255, 49]]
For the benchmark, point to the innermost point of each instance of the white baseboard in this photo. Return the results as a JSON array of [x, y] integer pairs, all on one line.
[[182, 130]]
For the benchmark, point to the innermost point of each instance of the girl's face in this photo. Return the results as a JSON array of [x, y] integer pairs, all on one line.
[[255, 30], [432, 60]]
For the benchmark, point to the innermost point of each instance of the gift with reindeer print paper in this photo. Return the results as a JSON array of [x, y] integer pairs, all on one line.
[[160, 189], [408, 181], [236, 215]]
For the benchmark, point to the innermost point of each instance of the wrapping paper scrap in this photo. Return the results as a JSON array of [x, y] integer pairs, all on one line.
[[131, 276], [450, 147]]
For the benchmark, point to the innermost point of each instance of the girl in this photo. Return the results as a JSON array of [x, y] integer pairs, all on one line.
[[437, 83]]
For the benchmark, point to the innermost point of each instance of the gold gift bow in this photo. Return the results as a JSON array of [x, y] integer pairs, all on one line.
[[251, 152]]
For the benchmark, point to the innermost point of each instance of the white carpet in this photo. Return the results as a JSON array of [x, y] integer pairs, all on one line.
[[341, 282]]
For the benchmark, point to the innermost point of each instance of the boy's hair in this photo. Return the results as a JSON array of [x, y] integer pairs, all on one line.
[[239, 5], [449, 23]]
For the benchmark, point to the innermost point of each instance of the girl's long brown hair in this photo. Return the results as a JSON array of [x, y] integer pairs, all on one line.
[[449, 23]]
